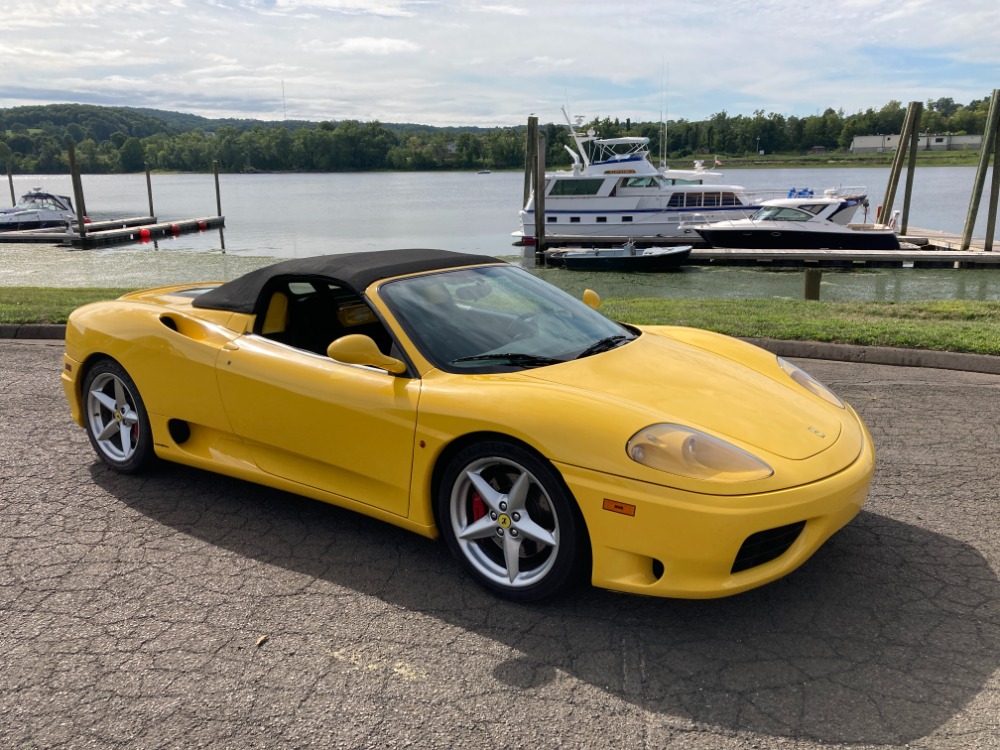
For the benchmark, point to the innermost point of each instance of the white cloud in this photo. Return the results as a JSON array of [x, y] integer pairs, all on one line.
[[465, 62], [373, 46]]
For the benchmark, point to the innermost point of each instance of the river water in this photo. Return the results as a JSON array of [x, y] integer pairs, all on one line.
[[276, 216]]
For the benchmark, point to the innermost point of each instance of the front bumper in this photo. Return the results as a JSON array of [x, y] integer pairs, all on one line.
[[686, 545], [70, 378]]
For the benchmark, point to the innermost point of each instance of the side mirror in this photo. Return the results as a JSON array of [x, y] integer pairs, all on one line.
[[358, 349], [591, 299]]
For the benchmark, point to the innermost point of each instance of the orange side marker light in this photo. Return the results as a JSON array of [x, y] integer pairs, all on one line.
[[617, 506]]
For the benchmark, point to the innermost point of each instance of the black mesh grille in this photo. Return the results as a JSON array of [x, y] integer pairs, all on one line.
[[765, 546]]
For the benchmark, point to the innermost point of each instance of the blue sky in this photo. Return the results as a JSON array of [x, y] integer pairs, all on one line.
[[452, 62]]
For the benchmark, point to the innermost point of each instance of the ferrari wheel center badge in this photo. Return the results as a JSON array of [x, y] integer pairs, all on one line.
[[504, 521]]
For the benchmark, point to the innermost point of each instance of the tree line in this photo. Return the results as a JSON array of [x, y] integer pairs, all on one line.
[[33, 140]]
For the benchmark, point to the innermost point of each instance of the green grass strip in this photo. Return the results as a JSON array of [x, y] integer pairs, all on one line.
[[31, 304], [944, 325]]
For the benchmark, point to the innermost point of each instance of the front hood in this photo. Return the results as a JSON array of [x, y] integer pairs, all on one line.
[[659, 378]]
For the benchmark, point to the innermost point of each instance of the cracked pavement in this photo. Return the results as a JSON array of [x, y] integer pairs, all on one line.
[[183, 609]]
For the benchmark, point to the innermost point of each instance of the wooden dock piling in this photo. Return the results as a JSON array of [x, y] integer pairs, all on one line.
[[991, 144]]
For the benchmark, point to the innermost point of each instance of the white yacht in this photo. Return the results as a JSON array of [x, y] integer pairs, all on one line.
[[614, 190], [805, 223]]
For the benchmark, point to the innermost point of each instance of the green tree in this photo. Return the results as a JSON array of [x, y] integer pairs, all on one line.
[[132, 156]]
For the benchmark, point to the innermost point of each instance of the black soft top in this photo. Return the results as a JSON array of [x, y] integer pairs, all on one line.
[[355, 270]]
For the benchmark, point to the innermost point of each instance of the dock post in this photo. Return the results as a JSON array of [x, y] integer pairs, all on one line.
[[909, 126], [989, 136], [540, 199], [814, 277], [911, 166], [10, 181], [149, 189], [529, 157], [74, 170], [218, 196], [991, 220]]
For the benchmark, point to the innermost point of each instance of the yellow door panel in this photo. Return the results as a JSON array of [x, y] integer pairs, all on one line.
[[340, 428]]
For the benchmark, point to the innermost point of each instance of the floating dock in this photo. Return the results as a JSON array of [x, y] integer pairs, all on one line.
[[925, 248], [116, 231]]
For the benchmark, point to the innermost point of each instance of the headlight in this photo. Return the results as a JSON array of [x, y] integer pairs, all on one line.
[[690, 453], [810, 383]]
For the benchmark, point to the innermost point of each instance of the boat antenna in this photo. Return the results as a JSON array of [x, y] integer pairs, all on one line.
[[579, 138], [663, 119]]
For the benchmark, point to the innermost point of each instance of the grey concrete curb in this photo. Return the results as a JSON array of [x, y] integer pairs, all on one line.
[[877, 355], [882, 355], [32, 331]]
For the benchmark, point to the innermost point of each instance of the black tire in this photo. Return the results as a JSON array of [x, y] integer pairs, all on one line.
[[508, 518], [115, 418]]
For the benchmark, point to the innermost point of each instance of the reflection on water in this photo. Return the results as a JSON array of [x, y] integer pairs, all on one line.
[[272, 217]]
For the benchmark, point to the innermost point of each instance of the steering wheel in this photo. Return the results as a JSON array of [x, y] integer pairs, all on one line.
[[521, 326]]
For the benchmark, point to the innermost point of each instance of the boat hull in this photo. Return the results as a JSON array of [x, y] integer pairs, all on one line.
[[755, 239], [29, 224], [651, 223], [616, 260]]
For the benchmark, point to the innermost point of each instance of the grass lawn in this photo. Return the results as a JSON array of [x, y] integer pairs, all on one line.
[[945, 325]]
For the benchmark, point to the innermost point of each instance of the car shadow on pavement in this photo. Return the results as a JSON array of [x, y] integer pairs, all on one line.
[[887, 633]]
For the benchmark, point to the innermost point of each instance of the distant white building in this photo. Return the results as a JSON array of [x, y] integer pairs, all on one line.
[[868, 144]]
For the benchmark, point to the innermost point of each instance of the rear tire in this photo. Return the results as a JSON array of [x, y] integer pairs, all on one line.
[[115, 418], [506, 515]]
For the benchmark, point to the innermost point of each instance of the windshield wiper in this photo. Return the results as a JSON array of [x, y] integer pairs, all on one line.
[[513, 358], [609, 342]]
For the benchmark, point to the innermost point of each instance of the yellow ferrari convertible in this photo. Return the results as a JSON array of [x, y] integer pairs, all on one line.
[[460, 396]]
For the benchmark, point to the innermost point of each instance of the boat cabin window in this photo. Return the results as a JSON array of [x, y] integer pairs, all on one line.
[[575, 187], [731, 199], [40, 200], [678, 181], [648, 181], [781, 213]]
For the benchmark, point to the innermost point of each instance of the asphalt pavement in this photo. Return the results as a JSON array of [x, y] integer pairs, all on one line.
[[183, 609]]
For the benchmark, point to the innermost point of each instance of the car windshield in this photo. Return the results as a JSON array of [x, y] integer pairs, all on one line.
[[497, 319]]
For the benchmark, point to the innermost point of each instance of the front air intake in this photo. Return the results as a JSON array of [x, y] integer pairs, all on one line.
[[765, 546]]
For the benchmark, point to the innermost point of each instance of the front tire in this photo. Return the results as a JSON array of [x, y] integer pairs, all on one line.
[[116, 419], [506, 515]]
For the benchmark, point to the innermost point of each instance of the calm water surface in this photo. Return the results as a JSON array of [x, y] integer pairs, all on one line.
[[275, 216]]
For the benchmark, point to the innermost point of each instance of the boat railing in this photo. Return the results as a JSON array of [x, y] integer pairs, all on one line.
[[757, 196]]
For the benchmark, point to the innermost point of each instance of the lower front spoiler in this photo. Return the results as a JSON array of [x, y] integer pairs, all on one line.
[[684, 545]]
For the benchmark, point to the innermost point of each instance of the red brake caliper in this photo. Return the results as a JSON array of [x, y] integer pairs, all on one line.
[[478, 506]]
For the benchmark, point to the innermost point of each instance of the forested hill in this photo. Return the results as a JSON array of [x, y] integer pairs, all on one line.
[[124, 139]]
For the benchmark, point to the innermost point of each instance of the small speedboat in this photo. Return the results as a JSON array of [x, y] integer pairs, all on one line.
[[803, 223], [38, 210], [625, 258]]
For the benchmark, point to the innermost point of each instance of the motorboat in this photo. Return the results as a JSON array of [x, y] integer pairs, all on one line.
[[38, 210], [804, 223], [627, 257], [614, 190]]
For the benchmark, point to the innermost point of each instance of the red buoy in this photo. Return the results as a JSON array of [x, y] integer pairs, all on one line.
[[144, 234], [175, 229], [202, 225]]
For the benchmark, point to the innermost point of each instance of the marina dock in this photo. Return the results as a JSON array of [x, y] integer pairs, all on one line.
[[115, 231], [924, 248]]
